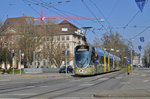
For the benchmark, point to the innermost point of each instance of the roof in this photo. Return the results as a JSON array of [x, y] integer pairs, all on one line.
[[13, 23], [67, 22]]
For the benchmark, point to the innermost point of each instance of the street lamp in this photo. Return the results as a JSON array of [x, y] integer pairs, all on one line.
[[117, 51], [131, 48], [104, 49], [112, 49]]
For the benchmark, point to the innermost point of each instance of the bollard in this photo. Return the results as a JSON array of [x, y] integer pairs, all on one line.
[[128, 70]]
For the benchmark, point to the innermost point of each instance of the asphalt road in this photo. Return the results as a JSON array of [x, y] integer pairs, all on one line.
[[115, 85]]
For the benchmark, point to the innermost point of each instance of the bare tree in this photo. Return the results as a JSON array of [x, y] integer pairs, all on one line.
[[5, 48], [97, 42], [29, 39], [52, 50], [146, 57]]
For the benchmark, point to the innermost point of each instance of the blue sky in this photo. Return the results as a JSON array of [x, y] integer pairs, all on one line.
[[116, 13]]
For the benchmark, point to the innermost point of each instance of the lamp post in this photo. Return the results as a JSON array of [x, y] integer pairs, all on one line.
[[66, 59], [131, 48], [13, 63]]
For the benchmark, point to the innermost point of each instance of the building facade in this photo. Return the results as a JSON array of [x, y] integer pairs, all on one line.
[[65, 35]]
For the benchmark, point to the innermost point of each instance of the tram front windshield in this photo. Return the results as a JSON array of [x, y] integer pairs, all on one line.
[[82, 59]]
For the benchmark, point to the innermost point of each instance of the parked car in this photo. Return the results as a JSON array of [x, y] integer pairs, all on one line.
[[63, 69]]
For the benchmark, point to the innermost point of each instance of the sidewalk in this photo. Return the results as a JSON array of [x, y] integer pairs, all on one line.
[[138, 85], [5, 77]]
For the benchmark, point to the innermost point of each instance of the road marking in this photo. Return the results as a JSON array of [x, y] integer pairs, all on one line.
[[86, 84], [118, 77], [4, 80], [125, 83], [102, 79], [44, 86], [144, 75], [30, 86], [34, 82], [135, 74], [146, 81], [17, 94]]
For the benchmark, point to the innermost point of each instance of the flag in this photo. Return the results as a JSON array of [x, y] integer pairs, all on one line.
[[140, 4]]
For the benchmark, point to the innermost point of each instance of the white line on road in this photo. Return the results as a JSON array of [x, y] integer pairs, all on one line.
[[125, 82], [30, 86], [146, 81], [44, 86], [17, 94], [102, 79], [4, 80], [118, 77], [87, 84]]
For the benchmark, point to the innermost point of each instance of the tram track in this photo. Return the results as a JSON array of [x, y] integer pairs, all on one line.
[[72, 87], [58, 82], [24, 86]]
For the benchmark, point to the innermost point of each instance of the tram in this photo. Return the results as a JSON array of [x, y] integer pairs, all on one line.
[[90, 60]]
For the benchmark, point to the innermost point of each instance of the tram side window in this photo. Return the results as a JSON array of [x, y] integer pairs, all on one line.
[[91, 62], [111, 62], [101, 59], [107, 60], [93, 57], [97, 59], [115, 63]]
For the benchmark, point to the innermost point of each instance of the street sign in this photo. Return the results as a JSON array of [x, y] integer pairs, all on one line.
[[128, 61], [140, 48], [140, 4], [142, 39]]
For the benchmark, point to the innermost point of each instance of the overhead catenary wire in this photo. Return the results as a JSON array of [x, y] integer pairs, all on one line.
[[31, 7], [141, 32], [64, 12], [43, 4], [106, 19], [132, 19], [46, 6], [93, 14]]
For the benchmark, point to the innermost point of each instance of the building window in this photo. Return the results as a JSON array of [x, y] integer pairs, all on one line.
[[68, 46], [68, 52], [58, 46], [63, 38], [44, 39], [67, 38], [47, 38], [63, 45], [74, 37], [48, 46], [64, 29], [58, 38]]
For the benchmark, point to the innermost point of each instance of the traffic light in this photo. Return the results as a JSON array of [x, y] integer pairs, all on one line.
[[13, 53], [22, 55]]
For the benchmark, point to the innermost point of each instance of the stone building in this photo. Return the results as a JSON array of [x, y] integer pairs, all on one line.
[[66, 35]]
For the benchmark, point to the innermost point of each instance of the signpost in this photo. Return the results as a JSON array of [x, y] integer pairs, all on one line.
[[13, 63], [128, 61]]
